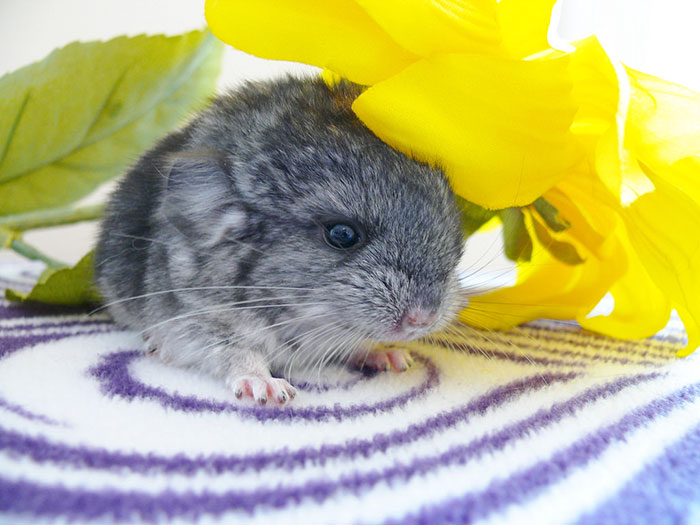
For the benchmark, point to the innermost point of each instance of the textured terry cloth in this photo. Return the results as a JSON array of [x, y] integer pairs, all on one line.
[[544, 424]]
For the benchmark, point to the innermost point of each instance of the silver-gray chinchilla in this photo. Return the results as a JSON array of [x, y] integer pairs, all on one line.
[[275, 228]]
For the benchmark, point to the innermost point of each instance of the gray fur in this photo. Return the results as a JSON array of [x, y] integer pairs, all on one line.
[[238, 197]]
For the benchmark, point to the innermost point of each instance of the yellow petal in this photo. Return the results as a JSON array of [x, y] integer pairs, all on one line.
[[641, 309], [499, 128], [524, 25], [580, 228], [590, 208], [555, 291], [334, 34], [596, 88], [685, 174], [600, 117], [660, 163], [663, 226], [663, 119], [546, 288], [430, 27]]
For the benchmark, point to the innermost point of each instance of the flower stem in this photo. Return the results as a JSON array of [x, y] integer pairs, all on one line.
[[27, 250], [12, 241], [53, 217]]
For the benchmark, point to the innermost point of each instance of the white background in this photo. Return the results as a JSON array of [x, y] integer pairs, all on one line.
[[656, 36]]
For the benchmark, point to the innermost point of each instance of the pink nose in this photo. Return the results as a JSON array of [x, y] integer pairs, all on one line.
[[418, 318]]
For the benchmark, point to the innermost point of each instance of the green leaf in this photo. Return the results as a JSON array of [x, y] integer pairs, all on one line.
[[562, 251], [473, 215], [84, 113], [551, 215], [64, 286], [516, 239]]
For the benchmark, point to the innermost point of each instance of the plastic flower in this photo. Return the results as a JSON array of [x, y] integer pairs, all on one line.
[[474, 87], [634, 209]]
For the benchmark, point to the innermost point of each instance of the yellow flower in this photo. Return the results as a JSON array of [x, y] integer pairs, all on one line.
[[475, 87], [634, 212]]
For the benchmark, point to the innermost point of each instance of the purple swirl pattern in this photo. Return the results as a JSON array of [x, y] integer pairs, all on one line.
[[115, 379], [491, 427]]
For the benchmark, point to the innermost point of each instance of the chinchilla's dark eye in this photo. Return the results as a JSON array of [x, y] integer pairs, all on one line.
[[341, 236]]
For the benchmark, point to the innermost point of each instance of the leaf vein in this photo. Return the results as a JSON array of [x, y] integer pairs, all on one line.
[[13, 129], [104, 105]]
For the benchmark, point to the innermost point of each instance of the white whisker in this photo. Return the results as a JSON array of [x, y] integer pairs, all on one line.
[[221, 310], [197, 288]]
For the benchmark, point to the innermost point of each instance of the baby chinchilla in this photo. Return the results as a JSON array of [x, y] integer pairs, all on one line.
[[276, 228]]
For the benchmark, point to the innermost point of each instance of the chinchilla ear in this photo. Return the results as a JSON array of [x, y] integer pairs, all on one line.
[[199, 199]]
